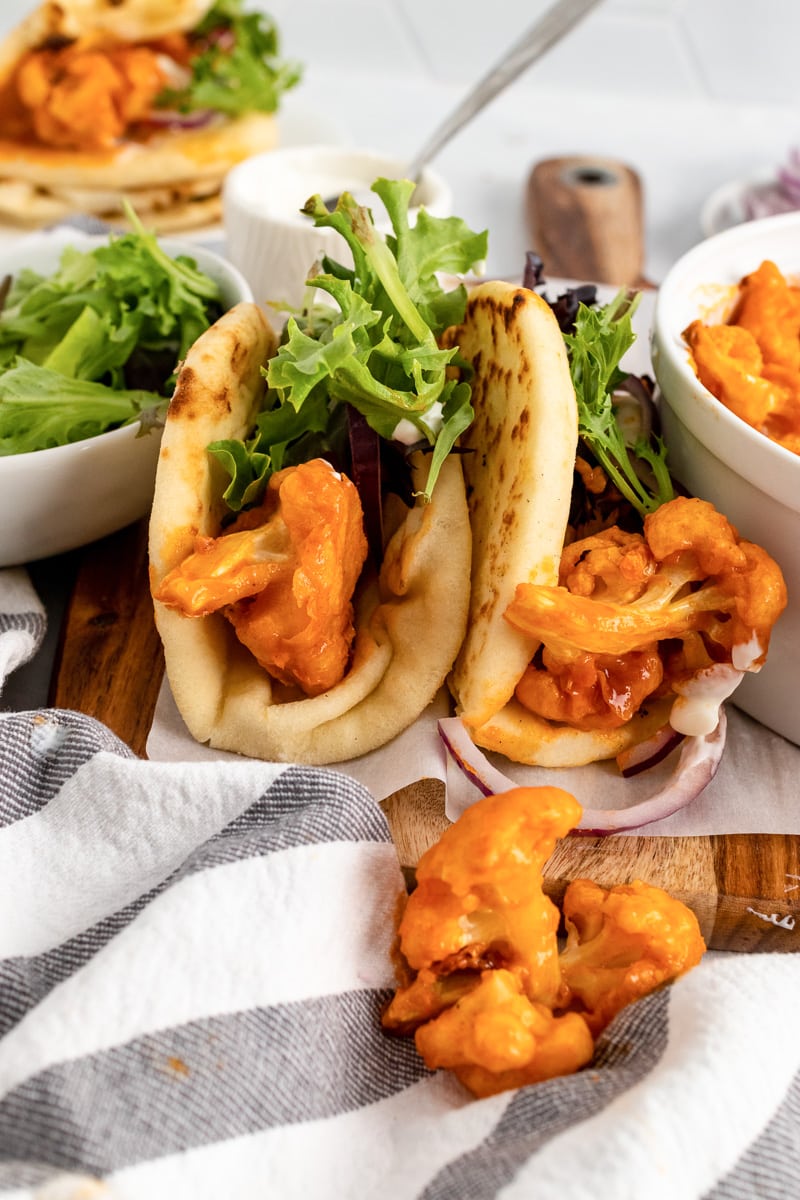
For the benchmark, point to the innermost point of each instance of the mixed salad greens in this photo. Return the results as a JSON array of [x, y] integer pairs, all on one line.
[[597, 338], [373, 352], [96, 344], [237, 68], [595, 348]]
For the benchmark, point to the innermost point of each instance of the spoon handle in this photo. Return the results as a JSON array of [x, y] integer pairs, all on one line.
[[548, 30]]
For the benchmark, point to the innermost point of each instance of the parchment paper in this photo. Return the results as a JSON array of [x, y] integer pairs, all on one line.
[[756, 790]]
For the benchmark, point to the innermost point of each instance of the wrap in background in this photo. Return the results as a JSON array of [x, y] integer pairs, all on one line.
[[170, 166]]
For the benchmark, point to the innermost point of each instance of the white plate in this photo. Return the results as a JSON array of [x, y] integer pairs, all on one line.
[[297, 126], [725, 207]]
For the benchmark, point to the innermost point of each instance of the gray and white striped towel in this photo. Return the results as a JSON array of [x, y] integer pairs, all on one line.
[[193, 958]]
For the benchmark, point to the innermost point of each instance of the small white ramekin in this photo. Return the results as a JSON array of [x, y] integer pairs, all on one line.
[[268, 238]]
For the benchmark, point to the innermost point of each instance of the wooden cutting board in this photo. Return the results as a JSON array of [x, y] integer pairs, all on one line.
[[745, 889]]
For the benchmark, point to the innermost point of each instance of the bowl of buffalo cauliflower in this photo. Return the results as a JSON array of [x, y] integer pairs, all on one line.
[[726, 355]]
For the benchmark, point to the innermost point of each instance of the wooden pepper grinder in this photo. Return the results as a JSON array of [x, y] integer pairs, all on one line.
[[585, 217]]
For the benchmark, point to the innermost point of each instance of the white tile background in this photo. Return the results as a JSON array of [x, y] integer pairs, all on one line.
[[691, 93]]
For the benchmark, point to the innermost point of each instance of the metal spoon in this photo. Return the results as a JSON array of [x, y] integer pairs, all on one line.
[[546, 32]]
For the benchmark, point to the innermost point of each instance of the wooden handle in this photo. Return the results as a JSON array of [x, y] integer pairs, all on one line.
[[585, 218]]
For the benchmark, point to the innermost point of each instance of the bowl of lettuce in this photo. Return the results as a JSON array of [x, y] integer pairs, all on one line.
[[92, 329]]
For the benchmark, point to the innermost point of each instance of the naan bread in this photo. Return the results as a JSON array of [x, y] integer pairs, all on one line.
[[410, 621], [524, 737], [173, 179], [169, 158], [518, 468], [162, 209], [519, 473]]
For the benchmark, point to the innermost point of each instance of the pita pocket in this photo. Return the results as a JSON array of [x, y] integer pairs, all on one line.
[[105, 102], [579, 648], [410, 612]]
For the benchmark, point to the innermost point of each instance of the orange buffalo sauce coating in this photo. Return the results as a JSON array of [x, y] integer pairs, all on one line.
[[496, 1038], [752, 362], [80, 98], [639, 615], [482, 985], [284, 576], [622, 944], [590, 690], [480, 887]]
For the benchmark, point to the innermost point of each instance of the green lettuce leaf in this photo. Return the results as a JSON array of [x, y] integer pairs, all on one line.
[[40, 408], [236, 73], [600, 339], [121, 315], [373, 346], [248, 469]]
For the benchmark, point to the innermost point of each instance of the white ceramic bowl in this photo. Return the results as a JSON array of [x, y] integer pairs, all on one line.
[[719, 457], [268, 238], [55, 500]]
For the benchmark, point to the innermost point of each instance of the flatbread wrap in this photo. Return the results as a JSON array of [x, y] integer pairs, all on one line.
[[287, 636], [101, 102], [585, 642]]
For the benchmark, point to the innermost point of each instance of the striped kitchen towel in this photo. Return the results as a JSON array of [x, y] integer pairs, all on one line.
[[22, 620], [193, 961]]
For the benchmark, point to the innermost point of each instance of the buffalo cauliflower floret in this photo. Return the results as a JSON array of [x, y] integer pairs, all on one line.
[[284, 576], [495, 1038], [768, 307], [752, 363], [729, 363], [686, 605], [482, 986], [622, 944], [479, 900], [86, 99]]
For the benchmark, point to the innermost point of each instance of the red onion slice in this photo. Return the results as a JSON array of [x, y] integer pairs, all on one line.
[[766, 200], [471, 761], [790, 183], [365, 453], [696, 767], [648, 753], [224, 38], [169, 118]]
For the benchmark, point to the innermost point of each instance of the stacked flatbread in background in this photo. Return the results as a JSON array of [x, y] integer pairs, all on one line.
[[80, 128]]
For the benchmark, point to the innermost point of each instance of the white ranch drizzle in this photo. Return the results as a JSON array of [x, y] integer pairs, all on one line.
[[696, 710]]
